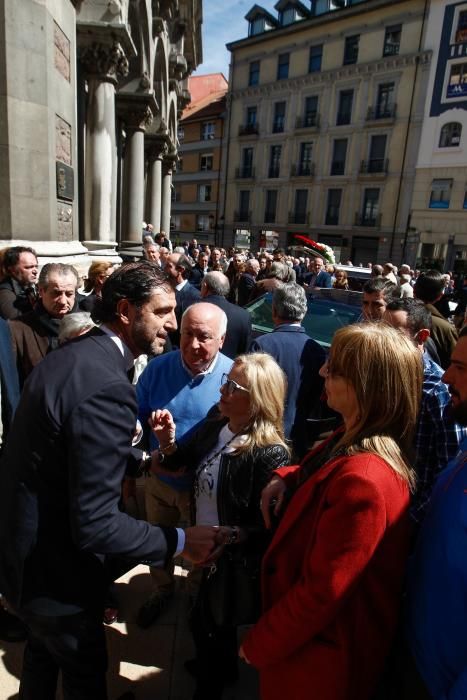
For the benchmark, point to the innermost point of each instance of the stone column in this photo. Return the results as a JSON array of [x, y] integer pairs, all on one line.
[[137, 118], [167, 169], [103, 63], [156, 153]]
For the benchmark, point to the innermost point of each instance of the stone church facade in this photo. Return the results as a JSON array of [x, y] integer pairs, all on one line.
[[90, 96]]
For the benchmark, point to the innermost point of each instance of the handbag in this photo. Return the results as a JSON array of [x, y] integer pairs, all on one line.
[[231, 588]]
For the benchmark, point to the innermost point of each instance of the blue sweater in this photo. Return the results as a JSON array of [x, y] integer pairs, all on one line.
[[165, 383], [437, 599]]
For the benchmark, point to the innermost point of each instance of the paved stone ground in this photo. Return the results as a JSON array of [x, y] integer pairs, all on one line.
[[147, 662]]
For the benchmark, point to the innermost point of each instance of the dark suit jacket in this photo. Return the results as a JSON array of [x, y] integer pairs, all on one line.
[[323, 279], [8, 378], [245, 286], [61, 476], [184, 298], [197, 276], [301, 359], [14, 299], [238, 336], [30, 343]]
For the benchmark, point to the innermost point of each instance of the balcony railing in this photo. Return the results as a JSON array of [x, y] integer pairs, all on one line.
[[245, 172], [302, 170], [278, 126], [374, 165], [273, 171], [269, 217], [381, 112], [248, 130], [299, 217], [372, 220], [308, 121], [242, 216], [332, 217]]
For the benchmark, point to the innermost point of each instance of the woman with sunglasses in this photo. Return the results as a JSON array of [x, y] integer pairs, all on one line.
[[231, 456], [333, 574]]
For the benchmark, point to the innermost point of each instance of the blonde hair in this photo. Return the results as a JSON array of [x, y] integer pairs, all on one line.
[[386, 372], [267, 385], [97, 268]]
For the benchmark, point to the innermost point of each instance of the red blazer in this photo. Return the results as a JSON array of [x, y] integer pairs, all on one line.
[[332, 582]]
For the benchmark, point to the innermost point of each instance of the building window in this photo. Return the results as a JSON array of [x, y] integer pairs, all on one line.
[[257, 26], [180, 133], [306, 151], [333, 206], [271, 205], [175, 194], [450, 135], [253, 74], [179, 165], [351, 49], [244, 205], [370, 207], [283, 66], [204, 193], [288, 16], [339, 153], [392, 40], [175, 222], [315, 60], [278, 123], [440, 194], [208, 130], [247, 162], [202, 222], [275, 161], [311, 110], [385, 101], [465, 200], [301, 198], [457, 86], [376, 160], [206, 161], [251, 114], [461, 31], [344, 112]]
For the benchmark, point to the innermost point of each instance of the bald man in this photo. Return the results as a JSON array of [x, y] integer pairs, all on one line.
[[187, 383]]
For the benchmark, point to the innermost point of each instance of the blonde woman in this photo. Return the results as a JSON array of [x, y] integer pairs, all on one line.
[[332, 576], [341, 281], [231, 456], [98, 272]]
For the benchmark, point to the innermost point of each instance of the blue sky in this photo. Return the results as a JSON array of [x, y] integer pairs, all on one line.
[[224, 21]]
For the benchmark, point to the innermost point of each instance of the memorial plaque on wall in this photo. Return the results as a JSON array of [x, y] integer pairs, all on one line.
[[65, 181]]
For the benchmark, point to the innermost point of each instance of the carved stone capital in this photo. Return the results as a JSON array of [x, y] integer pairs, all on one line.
[[106, 61], [156, 150], [169, 162], [177, 66], [138, 118]]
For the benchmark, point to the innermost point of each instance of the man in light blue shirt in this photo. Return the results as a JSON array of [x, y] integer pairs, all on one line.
[[187, 383]]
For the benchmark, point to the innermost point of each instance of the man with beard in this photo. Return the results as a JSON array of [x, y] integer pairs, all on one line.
[[60, 484], [437, 592]]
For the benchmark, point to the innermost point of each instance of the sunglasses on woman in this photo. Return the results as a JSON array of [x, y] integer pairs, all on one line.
[[231, 385]]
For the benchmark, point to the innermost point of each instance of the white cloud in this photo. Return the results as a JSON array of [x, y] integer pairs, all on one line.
[[224, 22]]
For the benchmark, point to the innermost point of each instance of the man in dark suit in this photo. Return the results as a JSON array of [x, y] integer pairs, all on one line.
[[60, 484], [299, 356], [17, 291], [247, 281], [214, 289], [199, 270], [317, 277], [178, 267]]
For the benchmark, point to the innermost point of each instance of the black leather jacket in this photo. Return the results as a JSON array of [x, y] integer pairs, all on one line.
[[241, 477]]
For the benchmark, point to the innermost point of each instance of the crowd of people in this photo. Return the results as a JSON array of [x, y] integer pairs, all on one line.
[[343, 557]]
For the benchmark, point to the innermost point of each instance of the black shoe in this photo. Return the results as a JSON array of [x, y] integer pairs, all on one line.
[[152, 608], [12, 629]]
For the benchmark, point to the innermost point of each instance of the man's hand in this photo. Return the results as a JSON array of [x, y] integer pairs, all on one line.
[[163, 426], [200, 542], [273, 493]]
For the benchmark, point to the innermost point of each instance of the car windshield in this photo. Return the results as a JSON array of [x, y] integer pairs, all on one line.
[[323, 318]]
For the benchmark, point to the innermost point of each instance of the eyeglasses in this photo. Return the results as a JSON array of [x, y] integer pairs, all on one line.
[[231, 385]]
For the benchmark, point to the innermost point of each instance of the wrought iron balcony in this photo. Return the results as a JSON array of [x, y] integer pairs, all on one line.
[[309, 121], [381, 112], [299, 217], [248, 130], [245, 172], [242, 216], [371, 220], [374, 165], [273, 171], [302, 170]]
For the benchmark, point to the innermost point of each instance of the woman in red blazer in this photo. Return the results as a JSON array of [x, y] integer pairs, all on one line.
[[332, 576]]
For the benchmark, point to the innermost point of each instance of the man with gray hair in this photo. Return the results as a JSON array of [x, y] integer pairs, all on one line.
[[187, 383], [214, 289], [247, 281], [36, 333], [299, 356]]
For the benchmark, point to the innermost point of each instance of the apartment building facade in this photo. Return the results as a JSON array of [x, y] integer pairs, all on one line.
[[438, 227], [197, 182], [326, 110]]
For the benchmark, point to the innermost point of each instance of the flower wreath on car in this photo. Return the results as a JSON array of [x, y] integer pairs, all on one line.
[[320, 249]]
